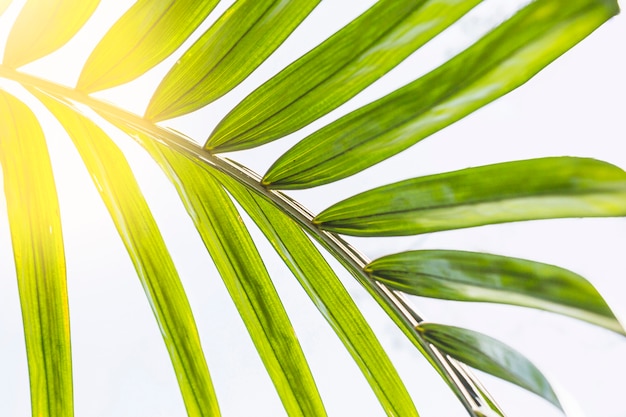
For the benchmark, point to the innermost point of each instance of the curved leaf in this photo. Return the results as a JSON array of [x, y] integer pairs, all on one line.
[[43, 26], [331, 298], [35, 223], [471, 276], [246, 279], [144, 36], [226, 54], [489, 355], [501, 61], [120, 193], [335, 71], [512, 191]]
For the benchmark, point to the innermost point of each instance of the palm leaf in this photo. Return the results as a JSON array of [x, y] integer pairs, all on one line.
[[33, 212], [323, 79]]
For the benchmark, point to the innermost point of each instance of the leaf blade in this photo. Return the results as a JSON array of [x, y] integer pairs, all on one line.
[[246, 280], [335, 71], [498, 63], [138, 230], [332, 300], [472, 276], [35, 224], [226, 54], [531, 189], [56, 22], [144, 36], [489, 355]]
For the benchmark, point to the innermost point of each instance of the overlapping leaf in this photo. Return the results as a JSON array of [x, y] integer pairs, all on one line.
[[498, 63], [144, 36], [471, 276], [43, 26], [335, 71], [512, 191], [139, 232], [35, 223], [246, 280], [226, 54], [489, 355], [332, 300]]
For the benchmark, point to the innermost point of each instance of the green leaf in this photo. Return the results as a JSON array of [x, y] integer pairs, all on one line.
[[144, 36], [139, 232], [226, 54], [532, 189], [43, 26], [489, 355], [331, 298], [471, 276], [335, 71], [35, 224], [503, 60], [246, 279]]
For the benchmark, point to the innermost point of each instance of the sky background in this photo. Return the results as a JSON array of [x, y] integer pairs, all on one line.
[[576, 107]]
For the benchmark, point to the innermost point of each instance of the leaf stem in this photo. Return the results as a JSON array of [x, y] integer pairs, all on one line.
[[463, 383]]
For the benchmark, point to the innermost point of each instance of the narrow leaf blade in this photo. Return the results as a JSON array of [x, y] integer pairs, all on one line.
[[329, 295], [226, 54], [139, 232], [472, 276], [532, 189], [489, 355], [246, 280], [144, 36], [43, 27], [335, 71], [501, 61], [35, 224]]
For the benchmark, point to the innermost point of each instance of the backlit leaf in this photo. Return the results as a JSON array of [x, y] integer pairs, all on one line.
[[120, 193], [246, 279], [498, 63], [512, 191], [144, 36], [226, 54], [35, 224], [489, 355], [43, 26], [3, 5], [472, 276], [335, 71]]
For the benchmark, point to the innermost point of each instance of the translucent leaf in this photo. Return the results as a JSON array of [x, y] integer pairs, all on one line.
[[335, 71], [120, 193], [35, 224], [512, 191], [43, 26], [501, 61], [144, 36], [226, 54]]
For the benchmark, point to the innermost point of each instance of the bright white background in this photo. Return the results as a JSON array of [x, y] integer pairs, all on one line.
[[575, 107]]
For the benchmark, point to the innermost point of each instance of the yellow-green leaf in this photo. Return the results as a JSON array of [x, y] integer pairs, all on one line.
[[335, 71], [533, 189], [120, 193], [35, 223], [501, 61], [226, 54], [331, 298], [144, 36], [245, 277], [472, 276], [43, 26]]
